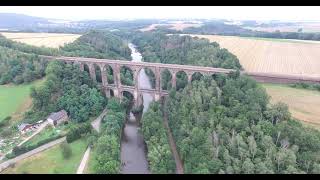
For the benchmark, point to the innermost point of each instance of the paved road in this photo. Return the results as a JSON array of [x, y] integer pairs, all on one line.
[[96, 125], [42, 126], [5, 164], [97, 122], [84, 161]]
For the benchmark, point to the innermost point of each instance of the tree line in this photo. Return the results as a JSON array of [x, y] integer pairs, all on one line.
[[219, 28]]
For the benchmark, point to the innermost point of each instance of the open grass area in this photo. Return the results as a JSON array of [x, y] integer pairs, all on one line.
[[51, 161], [303, 104], [15, 99]]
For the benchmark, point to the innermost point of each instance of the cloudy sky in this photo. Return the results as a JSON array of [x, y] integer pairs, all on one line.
[[124, 12]]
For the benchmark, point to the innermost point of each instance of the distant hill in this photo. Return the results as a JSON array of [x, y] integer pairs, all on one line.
[[18, 21]]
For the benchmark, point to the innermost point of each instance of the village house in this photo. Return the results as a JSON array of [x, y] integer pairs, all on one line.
[[25, 127], [57, 118]]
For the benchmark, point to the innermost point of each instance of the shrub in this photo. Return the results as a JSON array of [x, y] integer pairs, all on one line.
[[5, 121], [77, 131], [66, 150]]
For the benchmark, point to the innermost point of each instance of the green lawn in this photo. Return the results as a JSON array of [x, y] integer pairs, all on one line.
[[15, 99], [51, 161]]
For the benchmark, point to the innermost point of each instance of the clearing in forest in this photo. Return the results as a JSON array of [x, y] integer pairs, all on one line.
[[52, 40], [273, 55], [303, 104], [15, 99]]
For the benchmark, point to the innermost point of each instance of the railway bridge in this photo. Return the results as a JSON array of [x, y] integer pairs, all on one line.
[[117, 88]]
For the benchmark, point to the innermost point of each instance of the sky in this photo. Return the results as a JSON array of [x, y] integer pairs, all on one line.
[[293, 13]]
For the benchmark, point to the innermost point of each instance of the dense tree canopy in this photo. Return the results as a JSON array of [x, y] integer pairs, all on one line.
[[159, 154], [18, 67], [67, 88], [19, 62], [226, 126]]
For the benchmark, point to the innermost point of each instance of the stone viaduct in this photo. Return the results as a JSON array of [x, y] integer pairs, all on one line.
[[117, 88]]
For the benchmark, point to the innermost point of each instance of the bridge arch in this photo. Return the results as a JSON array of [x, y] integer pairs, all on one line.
[[86, 68], [165, 79], [98, 74], [127, 75], [197, 76], [181, 79], [109, 72], [150, 73]]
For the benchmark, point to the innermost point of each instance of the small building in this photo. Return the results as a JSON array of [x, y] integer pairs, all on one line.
[[24, 127], [57, 118]]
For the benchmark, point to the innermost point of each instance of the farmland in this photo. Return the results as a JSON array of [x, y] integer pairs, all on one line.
[[15, 99], [52, 40], [51, 161], [303, 104], [273, 55]]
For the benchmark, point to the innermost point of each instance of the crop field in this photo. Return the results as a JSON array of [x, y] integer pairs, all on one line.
[[52, 40], [303, 104], [273, 55]]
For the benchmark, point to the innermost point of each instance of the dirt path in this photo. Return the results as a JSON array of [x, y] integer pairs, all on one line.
[[84, 161], [96, 123], [179, 164]]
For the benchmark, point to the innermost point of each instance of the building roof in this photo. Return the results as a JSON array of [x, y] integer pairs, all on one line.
[[58, 115], [22, 126]]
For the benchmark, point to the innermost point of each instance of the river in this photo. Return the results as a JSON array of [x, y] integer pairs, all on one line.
[[133, 147]]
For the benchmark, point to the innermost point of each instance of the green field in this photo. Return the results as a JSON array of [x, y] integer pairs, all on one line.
[[15, 99], [51, 161]]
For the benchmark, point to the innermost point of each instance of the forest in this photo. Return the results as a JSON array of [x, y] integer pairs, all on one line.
[[226, 125], [68, 88], [20, 63], [186, 50]]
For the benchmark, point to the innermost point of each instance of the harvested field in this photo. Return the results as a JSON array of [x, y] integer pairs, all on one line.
[[273, 55], [303, 104], [52, 40]]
